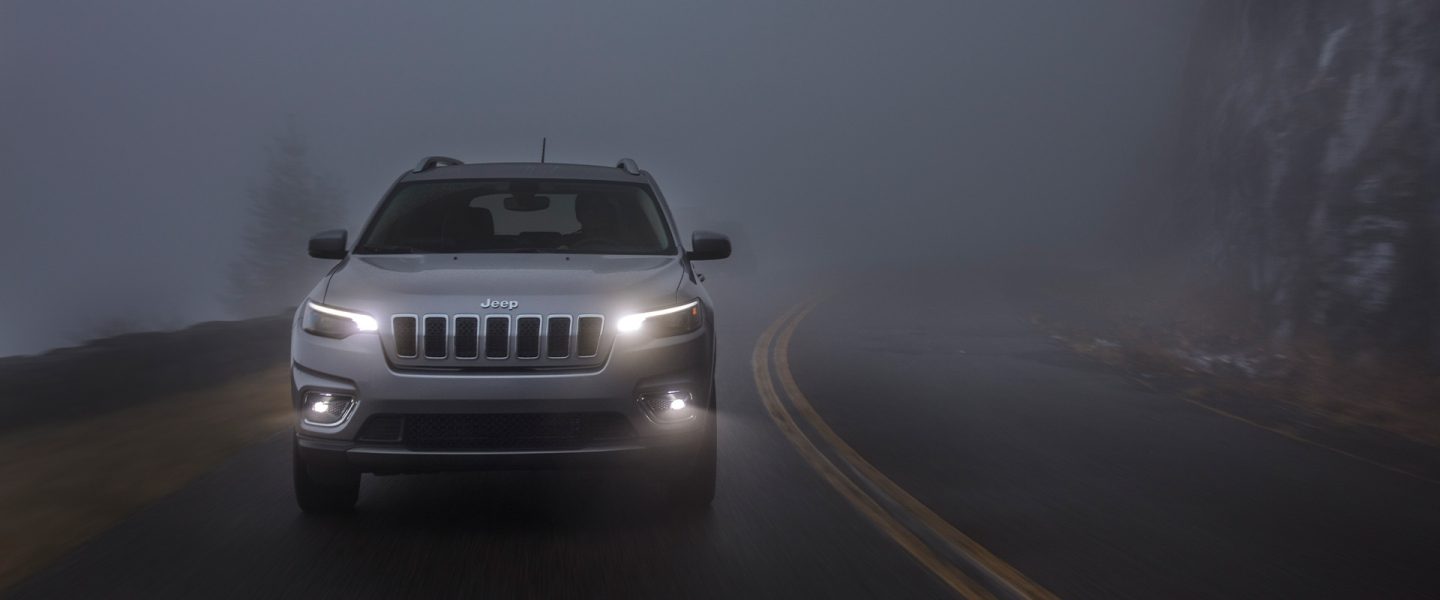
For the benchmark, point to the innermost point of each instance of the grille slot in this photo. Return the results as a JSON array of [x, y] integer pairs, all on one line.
[[557, 337], [435, 326], [514, 431], [405, 343], [527, 337], [497, 336], [588, 340], [382, 428], [467, 337]]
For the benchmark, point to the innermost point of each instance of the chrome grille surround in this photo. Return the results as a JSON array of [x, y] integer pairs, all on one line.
[[527, 342], [587, 342], [434, 341], [405, 332], [497, 339], [522, 342], [557, 344], [465, 336]]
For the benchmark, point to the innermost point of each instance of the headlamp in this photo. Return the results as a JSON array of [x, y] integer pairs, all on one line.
[[674, 320], [334, 322]]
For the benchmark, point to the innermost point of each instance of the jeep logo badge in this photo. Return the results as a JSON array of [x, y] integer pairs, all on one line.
[[505, 304]]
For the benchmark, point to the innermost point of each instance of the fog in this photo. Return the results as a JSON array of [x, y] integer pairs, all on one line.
[[834, 134]]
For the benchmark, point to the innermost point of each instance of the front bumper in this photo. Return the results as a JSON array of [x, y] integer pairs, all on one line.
[[357, 366]]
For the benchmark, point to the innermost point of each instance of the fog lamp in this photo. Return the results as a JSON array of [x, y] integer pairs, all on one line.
[[673, 406], [325, 408]]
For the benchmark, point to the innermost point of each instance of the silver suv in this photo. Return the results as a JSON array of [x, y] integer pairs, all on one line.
[[507, 315]]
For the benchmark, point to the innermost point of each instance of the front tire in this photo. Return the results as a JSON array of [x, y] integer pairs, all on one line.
[[334, 491]]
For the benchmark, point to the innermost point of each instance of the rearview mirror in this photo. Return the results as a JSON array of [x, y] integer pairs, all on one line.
[[329, 244], [708, 245]]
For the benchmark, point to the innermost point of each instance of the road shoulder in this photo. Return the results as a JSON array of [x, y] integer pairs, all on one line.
[[66, 482]]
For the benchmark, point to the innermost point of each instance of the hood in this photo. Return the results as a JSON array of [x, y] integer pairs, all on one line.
[[535, 283]]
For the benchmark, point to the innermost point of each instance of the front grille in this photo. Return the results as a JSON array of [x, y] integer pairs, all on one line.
[[558, 337], [527, 337], [589, 338], [517, 431], [497, 336], [435, 336], [404, 336], [467, 337], [527, 342]]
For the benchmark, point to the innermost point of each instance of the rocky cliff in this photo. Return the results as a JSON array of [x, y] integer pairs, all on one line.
[[1309, 162]]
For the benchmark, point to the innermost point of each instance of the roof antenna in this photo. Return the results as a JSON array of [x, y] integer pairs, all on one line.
[[542, 149]]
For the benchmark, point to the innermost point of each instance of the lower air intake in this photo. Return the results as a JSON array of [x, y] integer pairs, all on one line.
[[382, 428]]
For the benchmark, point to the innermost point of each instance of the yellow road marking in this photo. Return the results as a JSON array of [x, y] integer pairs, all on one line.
[[1012, 578], [950, 574]]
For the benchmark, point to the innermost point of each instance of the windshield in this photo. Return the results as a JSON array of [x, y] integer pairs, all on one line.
[[580, 217]]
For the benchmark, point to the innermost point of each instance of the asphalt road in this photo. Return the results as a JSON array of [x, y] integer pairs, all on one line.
[[881, 442]]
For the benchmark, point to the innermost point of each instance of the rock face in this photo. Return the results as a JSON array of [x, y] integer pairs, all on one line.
[[1310, 159]]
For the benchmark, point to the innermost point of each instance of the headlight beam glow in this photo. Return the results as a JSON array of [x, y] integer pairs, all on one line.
[[363, 322], [633, 323]]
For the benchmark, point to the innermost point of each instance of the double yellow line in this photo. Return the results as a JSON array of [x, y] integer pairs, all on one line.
[[964, 565]]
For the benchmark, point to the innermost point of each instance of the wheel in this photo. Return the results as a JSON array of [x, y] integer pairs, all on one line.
[[333, 491], [694, 487]]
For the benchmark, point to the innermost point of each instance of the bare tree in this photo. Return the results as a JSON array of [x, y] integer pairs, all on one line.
[[291, 203]]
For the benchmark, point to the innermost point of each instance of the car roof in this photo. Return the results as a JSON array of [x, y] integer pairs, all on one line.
[[525, 170]]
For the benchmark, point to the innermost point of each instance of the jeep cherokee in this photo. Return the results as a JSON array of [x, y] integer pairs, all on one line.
[[507, 315]]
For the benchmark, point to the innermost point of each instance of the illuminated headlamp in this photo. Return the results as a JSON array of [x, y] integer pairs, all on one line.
[[674, 320], [334, 322]]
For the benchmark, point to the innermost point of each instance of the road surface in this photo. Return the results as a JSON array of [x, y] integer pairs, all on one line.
[[878, 439]]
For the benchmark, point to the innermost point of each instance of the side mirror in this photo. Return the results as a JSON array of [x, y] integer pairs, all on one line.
[[708, 245], [329, 244]]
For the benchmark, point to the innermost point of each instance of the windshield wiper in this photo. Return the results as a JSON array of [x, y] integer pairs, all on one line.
[[387, 250], [527, 250]]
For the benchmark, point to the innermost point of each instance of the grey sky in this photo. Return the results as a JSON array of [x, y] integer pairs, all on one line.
[[130, 131]]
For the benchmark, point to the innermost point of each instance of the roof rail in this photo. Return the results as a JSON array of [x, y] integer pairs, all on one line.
[[431, 162], [629, 166]]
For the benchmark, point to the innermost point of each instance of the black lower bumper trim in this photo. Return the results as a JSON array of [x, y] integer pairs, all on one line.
[[395, 460]]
